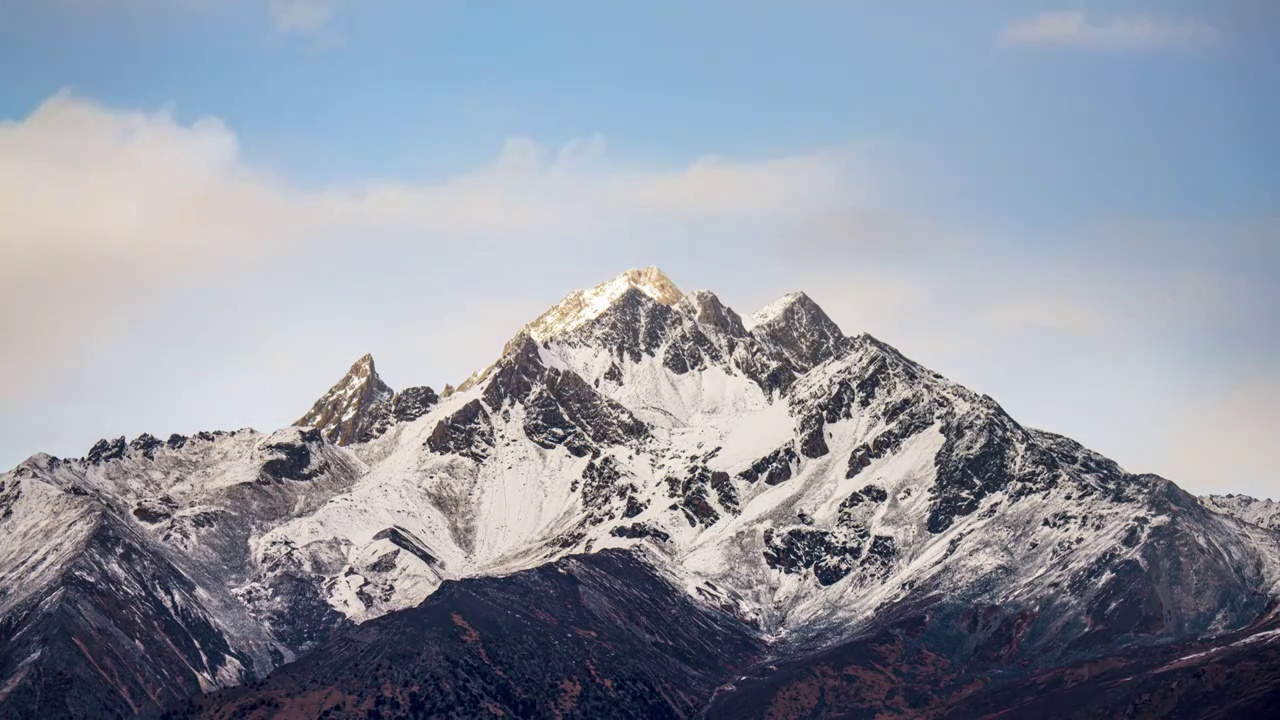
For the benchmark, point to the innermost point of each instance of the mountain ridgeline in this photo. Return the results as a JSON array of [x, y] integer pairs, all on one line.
[[648, 506]]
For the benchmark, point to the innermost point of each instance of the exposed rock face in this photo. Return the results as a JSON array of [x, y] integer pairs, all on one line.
[[566, 406], [105, 450], [887, 530], [412, 403], [561, 409], [685, 333], [514, 376], [468, 432], [711, 314], [291, 458], [774, 468], [354, 408], [798, 329], [361, 407]]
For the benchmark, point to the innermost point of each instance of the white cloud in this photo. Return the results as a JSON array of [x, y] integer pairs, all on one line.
[[1139, 31], [102, 206], [111, 213], [106, 207]]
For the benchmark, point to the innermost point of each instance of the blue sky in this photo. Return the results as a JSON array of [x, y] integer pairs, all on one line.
[[216, 207]]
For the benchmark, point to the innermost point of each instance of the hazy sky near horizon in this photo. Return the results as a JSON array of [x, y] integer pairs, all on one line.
[[210, 209]]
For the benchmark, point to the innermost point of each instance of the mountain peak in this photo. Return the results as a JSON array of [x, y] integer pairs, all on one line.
[[362, 370], [353, 407], [1264, 513], [798, 328], [915, 512], [652, 282], [707, 309], [780, 307], [583, 306]]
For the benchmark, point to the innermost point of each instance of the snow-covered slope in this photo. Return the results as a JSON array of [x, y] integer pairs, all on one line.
[[801, 477], [804, 481], [1263, 513]]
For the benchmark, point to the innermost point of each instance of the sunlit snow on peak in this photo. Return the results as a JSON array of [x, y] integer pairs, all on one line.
[[773, 309], [582, 306]]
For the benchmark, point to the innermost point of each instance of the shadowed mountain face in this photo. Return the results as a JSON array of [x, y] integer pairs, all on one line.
[[125, 633], [607, 636], [909, 670], [647, 506], [588, 636]]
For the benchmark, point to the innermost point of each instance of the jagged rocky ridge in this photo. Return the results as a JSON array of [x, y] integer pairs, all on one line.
[[360, 407], [814, 489], [1263, 513], [122, 574]]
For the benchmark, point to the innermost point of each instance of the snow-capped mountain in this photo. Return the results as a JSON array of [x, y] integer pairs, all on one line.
[[809, 486], [1263, 513]]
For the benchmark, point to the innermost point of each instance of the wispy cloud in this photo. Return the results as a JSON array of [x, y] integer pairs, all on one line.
[[300, 17], [109, 205], [1137, 31], [113, 215]]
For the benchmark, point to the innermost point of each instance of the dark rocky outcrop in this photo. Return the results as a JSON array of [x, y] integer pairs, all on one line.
[[565, 410], [594, 636], [106, 451], [10, 491], [973, 462], [829, 555], [800, 330], [408, 542], [639, 530], [292, 459], [694, 490], [145, 445], [515, 375], [467, 432], [155, 510], [412, 403], [774, 468]]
